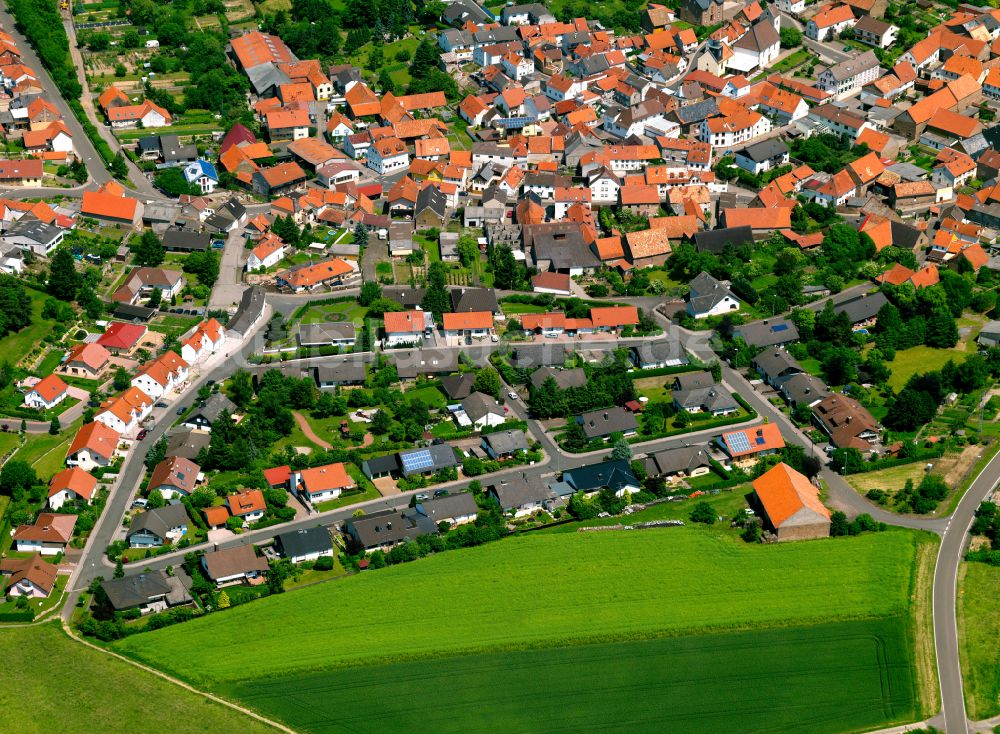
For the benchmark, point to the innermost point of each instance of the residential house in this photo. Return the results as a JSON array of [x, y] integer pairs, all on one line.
[[236, 565], [386, 529], [407, 327], [616, 476], [697, 392], [846, 422], [658, 354], [202, 418], [30, 577], [248, 505], [745, 446], [680, 463], [467, 325], [141, 282], [763, 156], [830, 22], [120, 338], [268, 252], [768, 332], [94, 446], [149, 591], [322, 483], [304, 544], [330, 334], [455, 509], [789, 505], [159, 526], [173, 477], [605, 422], [71, 485], [522, 495], [125, 412], [849, 76], [208, 337], [775, 366], [160, 376], [481, 410], [47, 393], [708, 296], [49, 535], [504, 444]]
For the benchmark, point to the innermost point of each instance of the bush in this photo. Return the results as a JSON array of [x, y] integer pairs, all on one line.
[[323, 564], [703, 513]]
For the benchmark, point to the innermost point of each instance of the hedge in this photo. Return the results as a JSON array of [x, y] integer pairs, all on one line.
[[297, 314], [25, 616], [638, 374], [870, 466]]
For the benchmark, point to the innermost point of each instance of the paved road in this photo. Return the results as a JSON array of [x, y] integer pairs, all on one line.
[[953, 717], [229, 287]]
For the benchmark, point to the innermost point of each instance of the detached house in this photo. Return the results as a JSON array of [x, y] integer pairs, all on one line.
[[846, 422], [161, 375], [830, 22], [94, 446], [156, 527], [125, 412], [47, 393], [322, 483], [175, 476], [237, 565], [387, 156], [789, 505], [744, 447], [71, 485], [248, 505], [50, 535], [709, 297]]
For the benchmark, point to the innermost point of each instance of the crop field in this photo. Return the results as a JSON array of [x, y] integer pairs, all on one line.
[[542, 591], [43, 691], [979, 638], [844, 676]]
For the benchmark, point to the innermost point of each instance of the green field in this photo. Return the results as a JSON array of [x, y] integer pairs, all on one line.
[[911, 361], [47, 453], [541, 591], [15, 346], [709, 683], [979, 638], [52, 683]]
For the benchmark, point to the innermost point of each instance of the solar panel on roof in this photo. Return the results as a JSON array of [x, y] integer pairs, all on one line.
[[739, 443], [779, 327], [417, 461]]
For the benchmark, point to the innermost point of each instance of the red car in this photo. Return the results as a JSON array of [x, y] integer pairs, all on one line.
[[142, 434]]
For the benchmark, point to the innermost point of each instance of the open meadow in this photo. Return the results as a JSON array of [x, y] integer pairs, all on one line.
[[542, 591], [52, 683], [842, 676], [979, 638]]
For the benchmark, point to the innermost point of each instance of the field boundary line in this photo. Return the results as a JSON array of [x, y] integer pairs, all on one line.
[[178, 682]]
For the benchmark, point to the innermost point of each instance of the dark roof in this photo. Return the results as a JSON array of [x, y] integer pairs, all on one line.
[[327, 333], [522, 490], [429, 459], [345, 371], [615, 475], [506, 442], [186, 241], [134, 591], [768, 333], [597, 423], [765, 149], [772, 362], [128, 312], [564, 378], [537, 355], [187, 443], [461, 504], [716, 240], [458, 386], [863, 307], [706, 292], [381, 464], [303, 541], [468, 300], [661, 351], [159, 521], [240, 559], [251, 307], [390, 527], [413, 362], [405, 296], [431, 197], [804, 388], [478, 405], [213, 408], [681, 459]]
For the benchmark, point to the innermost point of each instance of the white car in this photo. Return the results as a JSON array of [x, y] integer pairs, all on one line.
[[494, 338], [512, 395]]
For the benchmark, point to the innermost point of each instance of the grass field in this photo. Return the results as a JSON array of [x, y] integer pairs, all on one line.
[[979, 638], [921, 359], [47, 453], [327, 312], [16, 345], [596, 587], [709, 683], [45, 668]]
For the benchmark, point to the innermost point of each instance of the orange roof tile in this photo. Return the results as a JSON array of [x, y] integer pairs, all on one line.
[[75, 480], [467, 320], [784, 492]]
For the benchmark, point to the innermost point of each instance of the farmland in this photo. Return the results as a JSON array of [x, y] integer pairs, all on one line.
[[694, 684], [979, 632], [586, 590], [44, 671]]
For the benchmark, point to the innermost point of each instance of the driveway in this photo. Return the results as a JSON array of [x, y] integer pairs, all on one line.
[[376, 251], [228, 289]]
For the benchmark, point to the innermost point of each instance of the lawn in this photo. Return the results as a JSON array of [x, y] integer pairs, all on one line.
[[49, 363], [979, 638], [47, 453], [794, 59], [327, 312], [920, 359], [432, 397], [657, 389], [859, 677], [45, 667], [436, 606], [512, 309], [8, 442], [349, 498]]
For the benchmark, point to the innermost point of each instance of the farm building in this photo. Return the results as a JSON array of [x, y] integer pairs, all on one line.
[[789, 505]]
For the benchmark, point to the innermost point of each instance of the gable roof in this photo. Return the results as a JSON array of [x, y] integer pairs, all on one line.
[[74, 480], [749, 441], [789, 498], [97, 438]]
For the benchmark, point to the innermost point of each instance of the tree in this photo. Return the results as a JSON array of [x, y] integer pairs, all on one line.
[[468, 250], [505, 268], [204, 265], [752, 532], [121, 380], [17, 476], [360, 234], [157, 453], [621, 451], [241, 388], [149, 251], [371, 290], [838, 524], [488, 381], [790, 37], [436, 299], [223, 601], [119, 569], [703, 513], [54, 426], [155, 500], [172, 182], [119, 169], [63, 278]]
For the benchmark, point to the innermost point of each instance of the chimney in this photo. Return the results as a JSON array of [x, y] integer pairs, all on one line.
[[388, 526], [605, 415]]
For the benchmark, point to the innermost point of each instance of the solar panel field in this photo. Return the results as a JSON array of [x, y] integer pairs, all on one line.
[[828, 678]]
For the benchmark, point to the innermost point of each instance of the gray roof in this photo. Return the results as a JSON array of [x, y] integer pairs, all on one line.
[[441, 455], [863, 307], [345, 371], [304, 541], [506, 442], [413, 362], [694, 380], [768, 333], [478, 405], [458, 386], [266, 76], [233, 561], [773, 362], [523, 490], [187, 443], [251, 308], [669, 350], [461, 504], [564, 378], [762, 151], [761, 36], [431, 198], [991, 329], [214, 407], [716, 240], [598, 423], [852, 67], [468, 300], [706, 292], [159, 521], [404, 295], [710, 399], [137, 590], [535, 355], [186, 240], [390, 527], [804, 388], [33, 229], [682, 459], [614, 475], [326, 333]]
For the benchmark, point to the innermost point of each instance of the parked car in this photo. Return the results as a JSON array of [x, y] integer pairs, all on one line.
[[161, 404], [440, 492], [180, 410], [140, 504], [422, 497], [512, 395], [142, 434]]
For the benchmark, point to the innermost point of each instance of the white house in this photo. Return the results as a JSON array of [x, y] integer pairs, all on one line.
[[47, 393], [125, 412], [482, 411], [201, 173], [830, 22], [468, 325], [322, 483], [208, 338], [850, 75], [604, 186], [710, 297], [792, 7], [161, 375], [94, 446], [71, 485], [728, 131], [407, 327], [270, 250], [388, 155]]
